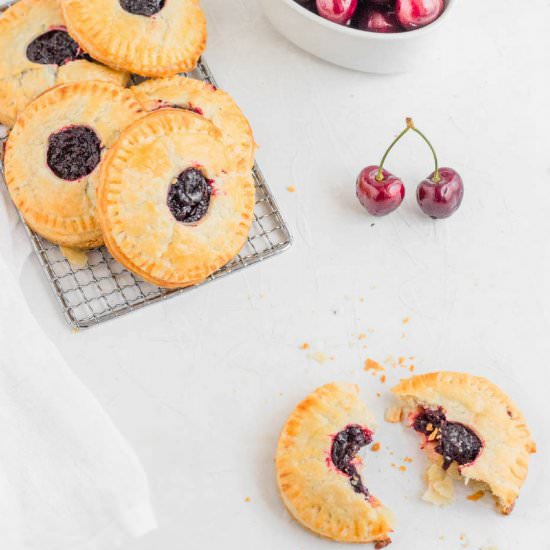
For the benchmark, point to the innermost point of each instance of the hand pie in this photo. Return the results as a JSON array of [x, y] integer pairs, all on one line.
[[171, 209], [318, 468], [470, 427], [146, 37], [206, 100], [53, 155], [38, 53]]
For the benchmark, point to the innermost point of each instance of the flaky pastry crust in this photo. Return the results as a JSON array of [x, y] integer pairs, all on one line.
[[478, 403], [139, 228], [167, 43], [214, 104], [314, 491], [22, 80], [62, 211]]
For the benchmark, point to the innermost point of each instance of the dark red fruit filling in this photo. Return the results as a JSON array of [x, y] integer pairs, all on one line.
[[147, 8], [73, 152], [189, 107], [189, 196], [455, 442], [345, 446], [54, 47]]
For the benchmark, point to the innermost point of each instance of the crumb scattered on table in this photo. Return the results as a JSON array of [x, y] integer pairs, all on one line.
[[318, 356], [291, 189], [247, 499], [373, 366], [393, 414], [406, 320], [375, 448], [305, 345]]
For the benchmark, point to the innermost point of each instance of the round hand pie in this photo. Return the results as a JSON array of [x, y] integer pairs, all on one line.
[[471, 427], [38, 53], [318, 468], [170, 208], [204, 99], [53, 155], [146, 37]]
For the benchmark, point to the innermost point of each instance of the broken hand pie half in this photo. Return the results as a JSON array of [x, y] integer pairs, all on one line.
[[318, 467], [471, 429]]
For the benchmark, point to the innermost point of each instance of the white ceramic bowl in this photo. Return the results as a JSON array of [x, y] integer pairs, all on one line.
[[364, 51]]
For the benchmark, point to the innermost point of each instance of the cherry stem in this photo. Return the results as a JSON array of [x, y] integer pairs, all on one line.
[[436, 178], [410, 126], [380, 175]]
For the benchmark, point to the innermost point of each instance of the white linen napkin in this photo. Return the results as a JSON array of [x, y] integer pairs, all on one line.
[[68, 479]]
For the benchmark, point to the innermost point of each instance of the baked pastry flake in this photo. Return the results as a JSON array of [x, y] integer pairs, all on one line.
[[147, 37], [318, 468], [171, 209], [470, 428], [208, 101], [53, 155], [38, 53]]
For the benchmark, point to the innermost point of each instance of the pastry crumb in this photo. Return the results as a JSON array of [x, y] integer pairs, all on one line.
[[378, 394], [408, 459], [375, 448], [411, 368], [476, 496], [291, 189], [373, 366], [318, 356], [383, 379], [362, 336], [402, 468], [247, 499], [440, 490], [305, 345], [406, 320], [401, 361], [393, 414]]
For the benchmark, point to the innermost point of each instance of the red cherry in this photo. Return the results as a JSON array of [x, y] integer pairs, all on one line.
[[379, 197], [380, 21], [413, 14], [338, 11], [442, 198]]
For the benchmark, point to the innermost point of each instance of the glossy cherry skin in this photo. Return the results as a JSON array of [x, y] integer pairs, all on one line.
[[338, 11], [441, 200], [374, 20], [413, 14], [379, 197]]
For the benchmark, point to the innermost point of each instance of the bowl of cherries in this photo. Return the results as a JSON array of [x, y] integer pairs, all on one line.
[[377, 36]]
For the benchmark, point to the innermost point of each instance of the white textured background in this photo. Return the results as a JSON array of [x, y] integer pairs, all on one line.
[[201, 385]]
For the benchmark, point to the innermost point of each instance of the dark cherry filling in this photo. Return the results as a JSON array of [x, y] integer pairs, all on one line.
[[54, 47], [189, 107], [345, 446], [455, 442], [189, 196], [73, 152], [147, 8]]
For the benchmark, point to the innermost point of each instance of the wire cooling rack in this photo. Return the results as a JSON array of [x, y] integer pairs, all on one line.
[[104, 289]]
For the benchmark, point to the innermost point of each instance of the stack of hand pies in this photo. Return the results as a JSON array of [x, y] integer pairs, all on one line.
[[160, 172]]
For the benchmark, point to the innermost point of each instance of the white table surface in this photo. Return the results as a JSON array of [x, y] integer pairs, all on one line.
[[202, 384]]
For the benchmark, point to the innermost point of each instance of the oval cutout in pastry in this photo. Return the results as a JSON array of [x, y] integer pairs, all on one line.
[[470, 428], [318, 472], [170, 208], [38, 53], [53, 156]]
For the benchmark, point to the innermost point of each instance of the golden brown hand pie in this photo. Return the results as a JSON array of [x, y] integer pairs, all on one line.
[[171, 209], [38, 53], [53, 155], [318, 470], [146, 37], [470, 427], [208, 101]]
